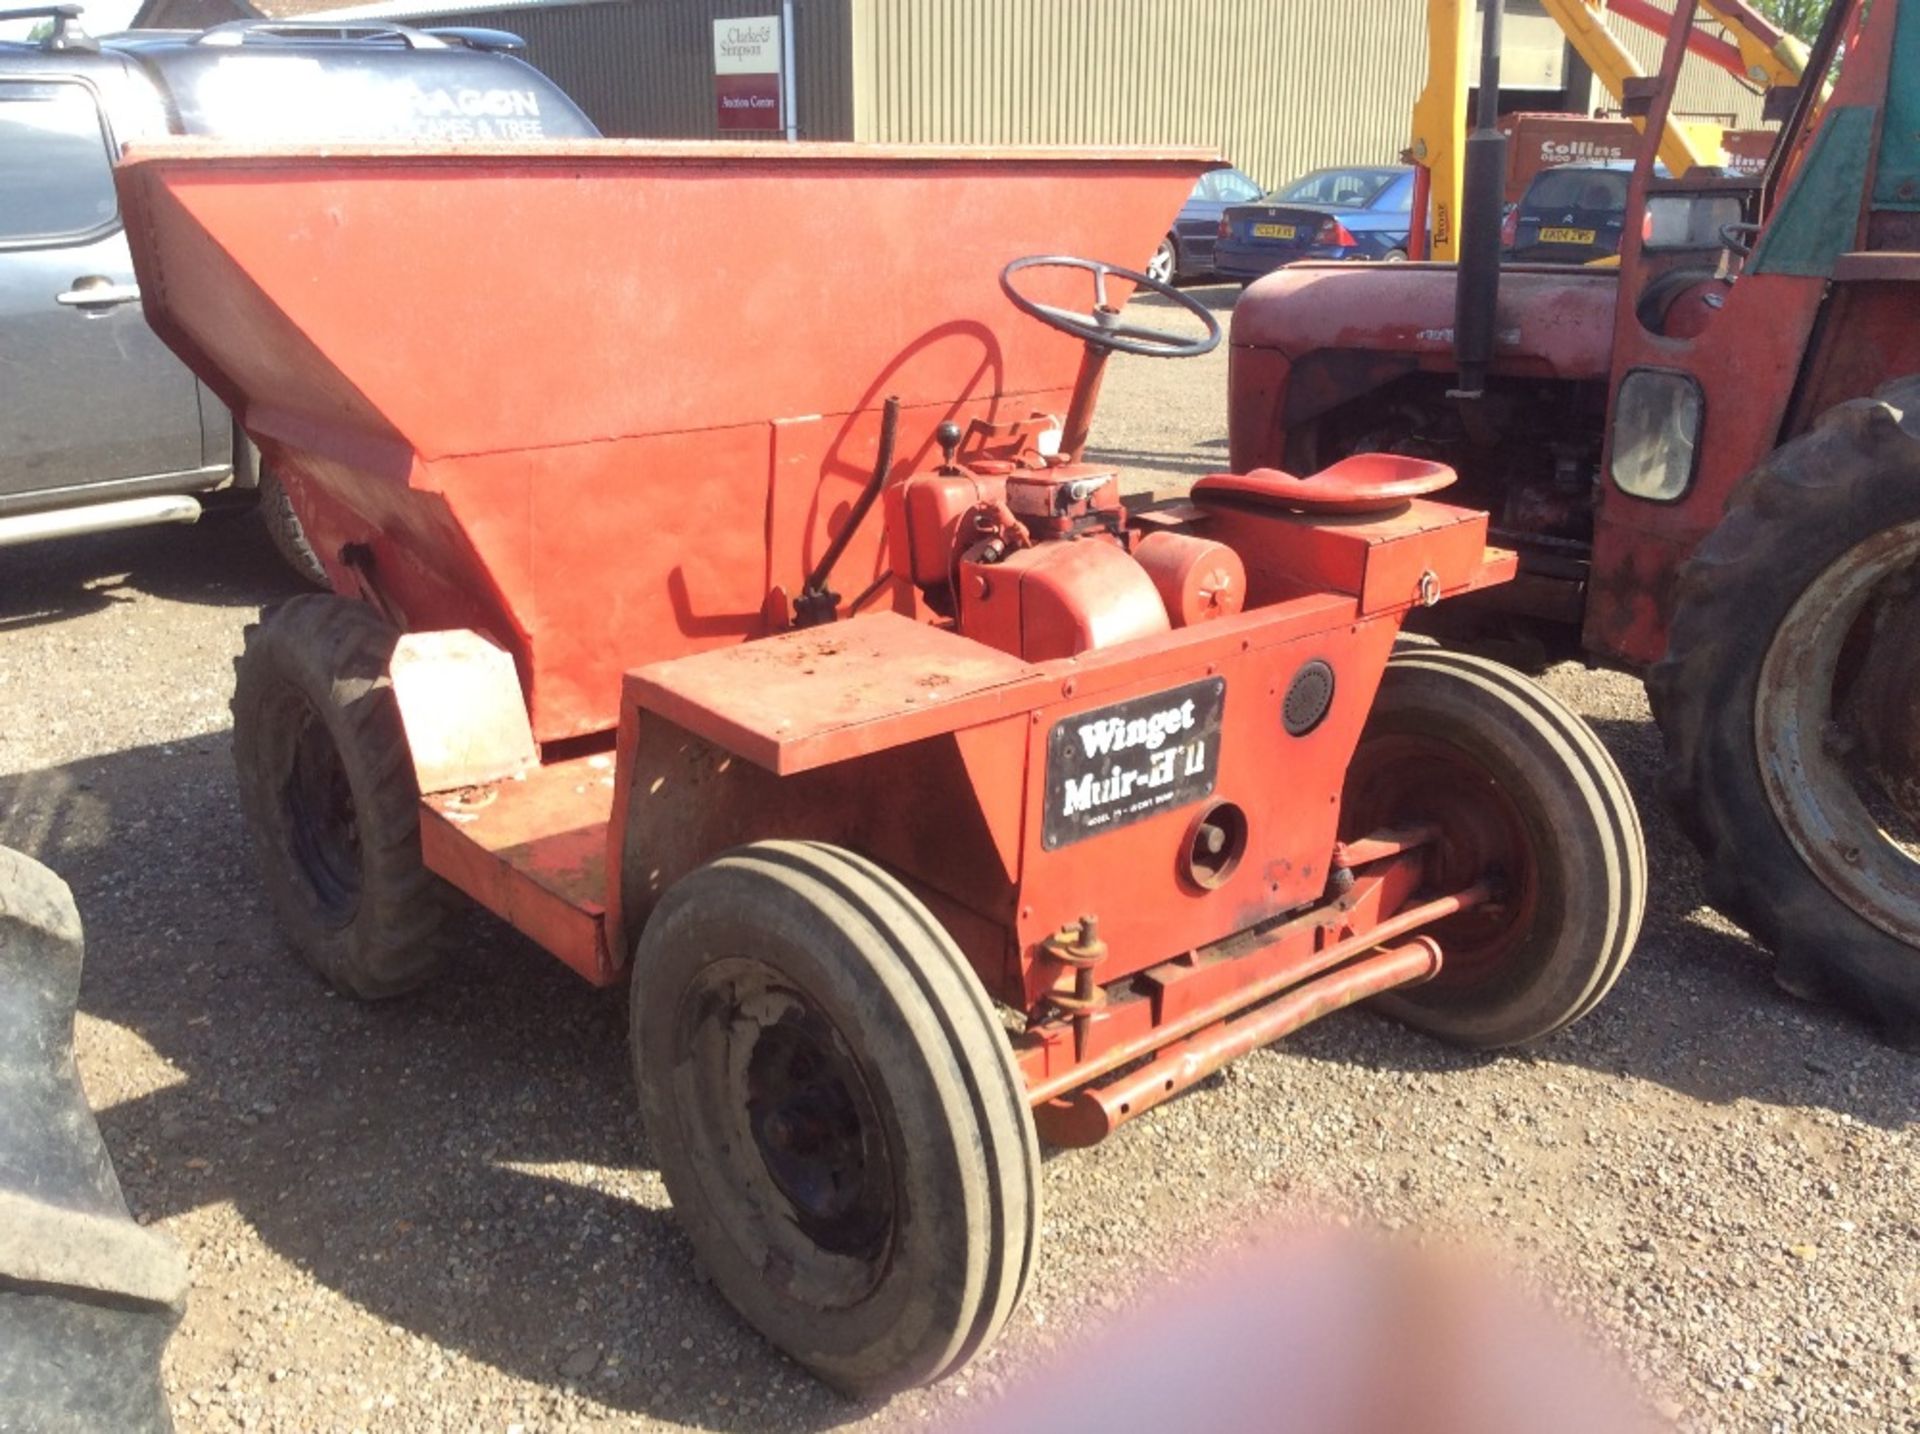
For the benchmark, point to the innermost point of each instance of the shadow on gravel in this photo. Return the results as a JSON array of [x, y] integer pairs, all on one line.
[[1696, 1009], [466, 1164], [1218, 297], [224, 559], [1155, 461]]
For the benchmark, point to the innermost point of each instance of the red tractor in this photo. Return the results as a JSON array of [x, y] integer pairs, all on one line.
[[1708, 461], [764, 642]]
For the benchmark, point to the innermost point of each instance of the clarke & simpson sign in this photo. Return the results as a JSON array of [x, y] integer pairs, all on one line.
[[746, 72]]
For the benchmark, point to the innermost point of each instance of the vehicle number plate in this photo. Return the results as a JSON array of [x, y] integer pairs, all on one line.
[[1566, 236], [1274, 231], [1117, 765]]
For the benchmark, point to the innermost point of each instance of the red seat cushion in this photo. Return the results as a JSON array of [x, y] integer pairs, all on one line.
[[1364, 483]]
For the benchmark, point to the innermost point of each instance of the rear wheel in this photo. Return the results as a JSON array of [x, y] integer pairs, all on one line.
[[1525, 796], [1787, 701], [836, 1113], [328, 791]]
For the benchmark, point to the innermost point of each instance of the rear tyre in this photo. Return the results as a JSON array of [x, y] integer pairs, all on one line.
[[1525, 796], [1164, 266], [328, 792], [836, 1113], [1394, 256], [1785, 700], [289, 539]]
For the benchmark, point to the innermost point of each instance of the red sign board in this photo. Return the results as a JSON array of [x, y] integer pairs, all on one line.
[[748, 101]]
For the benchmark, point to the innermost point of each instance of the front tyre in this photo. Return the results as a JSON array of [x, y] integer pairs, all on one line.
[[1525, 797], [836, 1113], [1786, 700]]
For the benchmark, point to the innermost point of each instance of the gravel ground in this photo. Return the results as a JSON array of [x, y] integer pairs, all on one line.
[[442, 1213]]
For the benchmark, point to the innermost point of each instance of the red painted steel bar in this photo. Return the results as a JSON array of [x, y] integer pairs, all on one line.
[[1420, 240], [1091, 1114], [1378, 846], [1238, 1000], [1709, 47]]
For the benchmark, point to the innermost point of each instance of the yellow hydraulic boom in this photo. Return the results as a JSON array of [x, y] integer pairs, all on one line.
[[1752, 51]]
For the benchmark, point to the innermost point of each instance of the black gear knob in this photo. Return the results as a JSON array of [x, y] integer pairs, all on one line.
[[948, 437]]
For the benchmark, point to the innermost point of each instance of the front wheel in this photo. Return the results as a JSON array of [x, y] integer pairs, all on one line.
[[1394, 256], [836, 1113], [1787, 698], [1524, 797]]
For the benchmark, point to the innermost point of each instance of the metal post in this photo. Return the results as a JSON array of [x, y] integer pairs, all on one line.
[[1477, 295], [788, 89]]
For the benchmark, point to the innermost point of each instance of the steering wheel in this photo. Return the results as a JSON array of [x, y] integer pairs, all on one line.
[[1103, 327], [1731, 236]]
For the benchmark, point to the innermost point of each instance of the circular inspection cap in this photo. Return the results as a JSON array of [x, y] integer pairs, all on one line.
[[1309, 696]]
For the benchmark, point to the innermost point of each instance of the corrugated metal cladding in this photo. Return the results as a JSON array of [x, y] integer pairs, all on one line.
[[1279, 86]]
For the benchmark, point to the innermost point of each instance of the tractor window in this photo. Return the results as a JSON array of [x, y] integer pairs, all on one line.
[[1691, 221], [1656, 430]]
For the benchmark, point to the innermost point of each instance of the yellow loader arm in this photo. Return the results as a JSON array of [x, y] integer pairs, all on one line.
[[1753, 51]]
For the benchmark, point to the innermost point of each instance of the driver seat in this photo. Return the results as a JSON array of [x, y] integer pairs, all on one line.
[[1364, 483]]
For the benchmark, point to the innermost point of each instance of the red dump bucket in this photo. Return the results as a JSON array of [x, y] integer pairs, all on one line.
[[601, 400]]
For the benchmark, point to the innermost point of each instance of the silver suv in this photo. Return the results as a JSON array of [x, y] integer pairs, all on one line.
[[100, 425]]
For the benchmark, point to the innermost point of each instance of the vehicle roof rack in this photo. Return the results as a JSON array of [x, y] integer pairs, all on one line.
[[474, 37], [243, 32], [65, 35]]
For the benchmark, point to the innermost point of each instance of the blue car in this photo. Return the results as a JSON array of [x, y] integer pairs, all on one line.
[[1187, 252], [1359, 213]]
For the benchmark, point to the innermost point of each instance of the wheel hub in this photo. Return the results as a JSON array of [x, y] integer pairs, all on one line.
[[1834, 729], [781, 1103], [1406, 779], [323, 827], [807, 1127]]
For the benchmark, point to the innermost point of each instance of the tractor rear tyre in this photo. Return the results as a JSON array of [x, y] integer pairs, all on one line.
[[836, 1113], [1525, 797], [328, 791], [1786, 700]]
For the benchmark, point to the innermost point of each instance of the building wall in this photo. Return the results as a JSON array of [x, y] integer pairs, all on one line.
[[1277, 86]]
